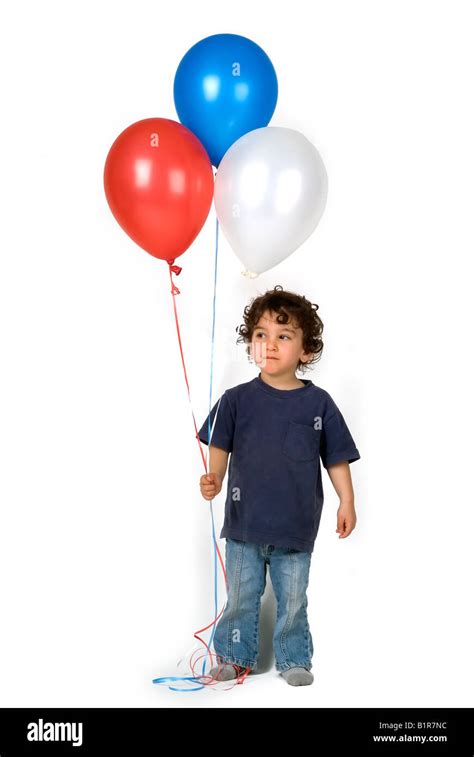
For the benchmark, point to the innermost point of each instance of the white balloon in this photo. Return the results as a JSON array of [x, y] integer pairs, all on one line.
[[270, 192]]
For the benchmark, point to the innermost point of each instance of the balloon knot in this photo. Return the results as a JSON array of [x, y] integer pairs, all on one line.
[[177, 270], [249, 274]]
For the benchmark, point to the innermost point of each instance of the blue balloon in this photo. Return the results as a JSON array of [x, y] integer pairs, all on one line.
[[224, 87]]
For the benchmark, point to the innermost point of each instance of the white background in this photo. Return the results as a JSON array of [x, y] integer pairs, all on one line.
[[106, 556]]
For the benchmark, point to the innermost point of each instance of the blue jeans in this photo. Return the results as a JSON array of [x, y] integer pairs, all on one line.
[[236, 637]]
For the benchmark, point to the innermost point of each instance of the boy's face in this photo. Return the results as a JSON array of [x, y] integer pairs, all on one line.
[[277, 347]]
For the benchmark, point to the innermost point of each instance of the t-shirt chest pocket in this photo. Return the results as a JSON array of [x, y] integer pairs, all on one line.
[[301, 442]]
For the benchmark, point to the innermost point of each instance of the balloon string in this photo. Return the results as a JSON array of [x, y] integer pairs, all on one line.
[[217, 553], [201, 679], [174, 291], [240, 678]]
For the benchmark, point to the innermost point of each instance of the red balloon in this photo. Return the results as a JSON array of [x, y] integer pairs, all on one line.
[[159, 184]]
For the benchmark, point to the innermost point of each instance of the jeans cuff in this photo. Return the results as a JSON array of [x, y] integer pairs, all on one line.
[[236, 661], [281, 666]]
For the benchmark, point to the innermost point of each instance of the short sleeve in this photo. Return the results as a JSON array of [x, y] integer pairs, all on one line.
[[337, 444], [222, 435]]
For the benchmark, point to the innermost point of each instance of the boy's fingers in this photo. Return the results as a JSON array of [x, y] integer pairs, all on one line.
[[346, 529], [209, 485]]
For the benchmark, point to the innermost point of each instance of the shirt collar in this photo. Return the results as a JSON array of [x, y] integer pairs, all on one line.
[[283, 393]]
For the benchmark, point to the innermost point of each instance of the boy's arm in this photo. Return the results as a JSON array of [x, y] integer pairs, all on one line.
[[340, 476], [218, 461], [211, 483]]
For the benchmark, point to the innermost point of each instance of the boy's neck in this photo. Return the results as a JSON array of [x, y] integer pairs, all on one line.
[[281, 382]]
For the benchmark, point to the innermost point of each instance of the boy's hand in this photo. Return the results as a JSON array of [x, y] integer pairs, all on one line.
[[210, 485], [346, 519]]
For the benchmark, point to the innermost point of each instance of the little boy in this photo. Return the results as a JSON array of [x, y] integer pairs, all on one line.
[[277, 427]]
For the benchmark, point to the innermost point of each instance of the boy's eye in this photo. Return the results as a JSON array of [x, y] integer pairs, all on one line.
[[282, 336]]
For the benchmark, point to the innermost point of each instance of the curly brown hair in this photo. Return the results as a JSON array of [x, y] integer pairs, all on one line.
[[288, 306]]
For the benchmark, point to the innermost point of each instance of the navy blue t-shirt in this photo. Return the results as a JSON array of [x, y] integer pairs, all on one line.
[[276, 438]]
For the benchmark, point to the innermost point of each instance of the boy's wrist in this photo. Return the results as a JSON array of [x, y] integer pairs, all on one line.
[[218, 474]]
